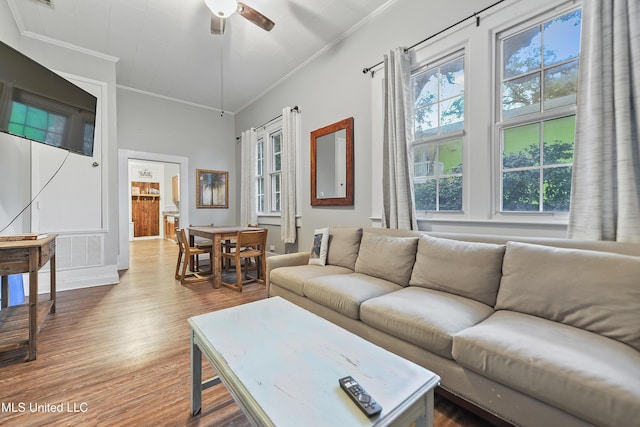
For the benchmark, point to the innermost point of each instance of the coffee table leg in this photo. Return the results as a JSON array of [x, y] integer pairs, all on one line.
[[196, 377], [427, 419]]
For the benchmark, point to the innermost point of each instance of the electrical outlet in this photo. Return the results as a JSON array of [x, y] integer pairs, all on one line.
[[272, 248]]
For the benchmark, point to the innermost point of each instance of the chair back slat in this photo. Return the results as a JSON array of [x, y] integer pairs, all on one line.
[[180, 238], [254, 239]]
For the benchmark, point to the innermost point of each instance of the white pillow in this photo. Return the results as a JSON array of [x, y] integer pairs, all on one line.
[[319, 248]]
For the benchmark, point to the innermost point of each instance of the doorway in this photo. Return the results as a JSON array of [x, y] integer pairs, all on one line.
[[172, 163]]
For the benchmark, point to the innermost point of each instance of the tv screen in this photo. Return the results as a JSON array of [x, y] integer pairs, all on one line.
[[38, 104]]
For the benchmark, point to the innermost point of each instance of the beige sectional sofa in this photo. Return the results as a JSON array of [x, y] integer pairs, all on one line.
[[532, 331]]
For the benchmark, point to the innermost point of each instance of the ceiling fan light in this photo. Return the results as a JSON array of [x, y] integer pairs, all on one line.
[[222, 8]]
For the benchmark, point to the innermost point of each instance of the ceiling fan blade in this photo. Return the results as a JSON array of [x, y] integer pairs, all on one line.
[[256, 17], [217, 25]]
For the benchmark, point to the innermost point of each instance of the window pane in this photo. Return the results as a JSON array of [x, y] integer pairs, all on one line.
[[277, 149], [426, 121], [450, 194], [450, 157], [37, 118], [425, 88], [452, 115], [562, 38], [557, 189], [561, 85], [521, 190], [452, 79], [425, 194], [559, 135], [439, 99], [18, 113], [424, 160], [275, 189], [521, 146], [521, 53], [521, 96], [35, 134]]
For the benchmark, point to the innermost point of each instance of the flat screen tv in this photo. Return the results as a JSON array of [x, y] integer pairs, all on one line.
[[38, 104]]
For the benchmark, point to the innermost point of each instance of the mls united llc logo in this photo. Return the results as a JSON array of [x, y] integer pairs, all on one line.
[[21, 407]]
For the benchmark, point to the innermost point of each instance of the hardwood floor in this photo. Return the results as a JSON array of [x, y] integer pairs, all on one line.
[[119, 355]]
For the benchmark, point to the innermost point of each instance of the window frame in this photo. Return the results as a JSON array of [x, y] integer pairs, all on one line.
[[264, 136], [430, 62], [541, 117]]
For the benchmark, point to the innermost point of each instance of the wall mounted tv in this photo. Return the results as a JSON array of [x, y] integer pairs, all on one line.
[[38, 104]]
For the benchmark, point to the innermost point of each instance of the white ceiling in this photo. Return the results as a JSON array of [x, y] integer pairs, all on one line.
[[165, 46]]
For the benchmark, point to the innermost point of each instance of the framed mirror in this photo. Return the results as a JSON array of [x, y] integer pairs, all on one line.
[[332, 164]]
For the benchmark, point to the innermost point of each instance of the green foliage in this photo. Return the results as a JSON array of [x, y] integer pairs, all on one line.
[[521, 189]]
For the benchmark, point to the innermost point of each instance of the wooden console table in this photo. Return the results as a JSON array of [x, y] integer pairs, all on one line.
[[20, 324]]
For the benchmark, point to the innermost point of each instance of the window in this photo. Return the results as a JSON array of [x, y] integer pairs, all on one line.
[[438, 99], [269, 169], [536, 127]]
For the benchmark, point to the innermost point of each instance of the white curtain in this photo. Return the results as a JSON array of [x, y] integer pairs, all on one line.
[[290, 140], [605, 199], [248, 203], [397, 178]]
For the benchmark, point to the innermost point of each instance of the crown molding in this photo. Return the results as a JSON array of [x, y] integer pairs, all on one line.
[[35, 36], [70, 46], [319, 53]]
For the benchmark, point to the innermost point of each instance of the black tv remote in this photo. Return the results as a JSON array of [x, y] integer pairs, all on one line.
[[359, 395]]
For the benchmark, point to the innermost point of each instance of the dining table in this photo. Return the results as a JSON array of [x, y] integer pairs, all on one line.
[[217, 234]]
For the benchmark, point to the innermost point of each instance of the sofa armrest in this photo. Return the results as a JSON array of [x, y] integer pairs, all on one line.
[[286, 260]]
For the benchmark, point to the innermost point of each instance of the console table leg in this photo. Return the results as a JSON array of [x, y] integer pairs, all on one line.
[[33, 301], [52, 268], [196, 377], [5, 292]]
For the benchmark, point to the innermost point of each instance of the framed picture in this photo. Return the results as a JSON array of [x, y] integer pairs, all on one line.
[[212, 189]]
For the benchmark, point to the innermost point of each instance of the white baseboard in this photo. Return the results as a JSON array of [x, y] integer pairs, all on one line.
[[76, 279]]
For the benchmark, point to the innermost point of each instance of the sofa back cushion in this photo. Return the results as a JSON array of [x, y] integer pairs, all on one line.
[[468, 269], [344, 243], [387, 257], [595, 291]]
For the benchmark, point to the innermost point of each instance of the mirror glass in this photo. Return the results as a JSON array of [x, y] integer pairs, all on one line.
[[332, 164]]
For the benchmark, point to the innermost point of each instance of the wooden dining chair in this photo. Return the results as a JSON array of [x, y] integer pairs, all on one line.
[[229, 246], [185, 252], [249, 244], [200, 243]]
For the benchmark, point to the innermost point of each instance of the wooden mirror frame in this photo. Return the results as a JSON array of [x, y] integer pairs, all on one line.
[[347, 125]]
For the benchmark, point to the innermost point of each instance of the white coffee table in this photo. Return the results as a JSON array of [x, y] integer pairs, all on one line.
[[282, 363]]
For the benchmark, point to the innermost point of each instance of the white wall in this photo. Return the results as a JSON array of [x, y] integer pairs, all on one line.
[[72, 272], [333, 87], [152, 124]]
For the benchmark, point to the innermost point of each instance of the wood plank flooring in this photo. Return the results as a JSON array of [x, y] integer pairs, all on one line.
[[119, 355]]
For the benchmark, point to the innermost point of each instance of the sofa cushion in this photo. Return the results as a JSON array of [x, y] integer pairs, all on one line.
[[345, 292], [292, 278], [595, 291], [424, 317], [387, 257], [344, 243], [585, 374], [468, 269]]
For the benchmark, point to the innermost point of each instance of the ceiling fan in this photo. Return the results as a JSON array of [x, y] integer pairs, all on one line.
[[222, 9]]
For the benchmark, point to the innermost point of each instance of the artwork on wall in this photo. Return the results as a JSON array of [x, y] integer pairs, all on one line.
[[212, 189]]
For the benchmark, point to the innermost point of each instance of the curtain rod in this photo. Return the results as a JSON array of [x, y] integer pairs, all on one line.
[[294, 108], [474, 15]]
